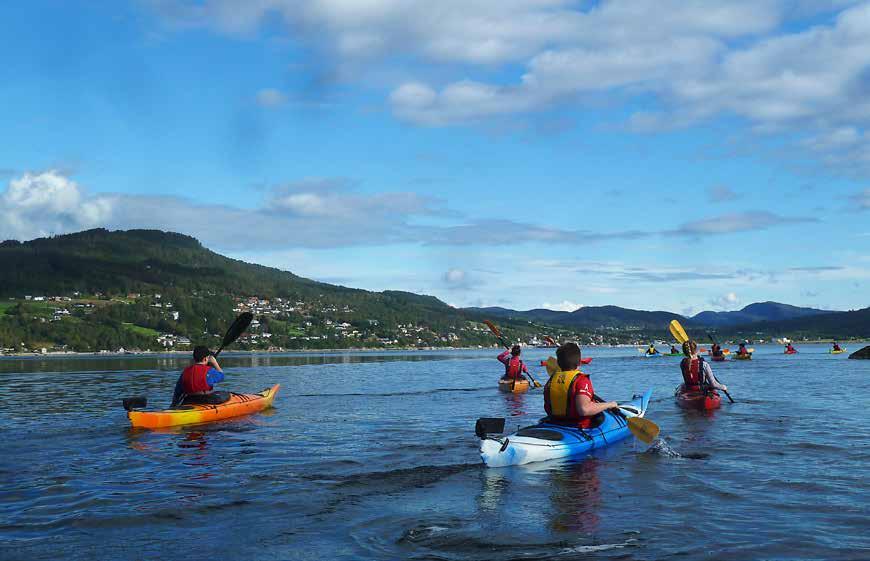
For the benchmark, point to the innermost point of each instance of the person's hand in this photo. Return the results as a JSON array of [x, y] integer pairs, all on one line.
[[213, 361], [612, 405], [724, 388]]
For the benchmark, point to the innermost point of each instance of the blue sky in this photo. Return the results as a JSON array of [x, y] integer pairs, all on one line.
[[678, 155]]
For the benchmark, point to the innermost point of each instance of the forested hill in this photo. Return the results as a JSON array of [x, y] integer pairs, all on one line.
[[101, 289]]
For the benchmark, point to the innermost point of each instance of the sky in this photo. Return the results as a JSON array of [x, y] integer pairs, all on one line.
[[680, 155]]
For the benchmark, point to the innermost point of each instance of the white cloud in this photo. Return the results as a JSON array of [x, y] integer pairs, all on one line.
[[563, 306], [736, 222], [728, 301], [41, 204]]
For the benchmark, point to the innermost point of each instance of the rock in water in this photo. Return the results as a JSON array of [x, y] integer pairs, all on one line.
[[863, 353]]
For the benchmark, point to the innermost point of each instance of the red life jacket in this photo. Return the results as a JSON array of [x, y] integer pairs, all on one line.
[[514, 368], [693, 376], [193, 379]]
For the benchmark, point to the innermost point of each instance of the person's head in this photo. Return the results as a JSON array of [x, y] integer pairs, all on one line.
[[690, 348], [200, 353], [516, 350], [568, 356], [742, 344]]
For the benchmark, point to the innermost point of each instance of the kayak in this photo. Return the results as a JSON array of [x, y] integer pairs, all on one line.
[[656, 355], [841, 351], [549, 441], [238, 404], [738, 356], [673, 354], [511, 386], [720, 358], [701, 401], [790, 352]]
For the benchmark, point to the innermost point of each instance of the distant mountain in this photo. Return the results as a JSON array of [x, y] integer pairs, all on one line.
[[762, 311], [589, 317], [832, 325]]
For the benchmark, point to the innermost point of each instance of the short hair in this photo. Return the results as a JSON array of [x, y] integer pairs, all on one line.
[[200, 352], [516, 350], [568, 356]]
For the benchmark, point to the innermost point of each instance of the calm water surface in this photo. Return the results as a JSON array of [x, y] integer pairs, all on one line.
[[373, 456]]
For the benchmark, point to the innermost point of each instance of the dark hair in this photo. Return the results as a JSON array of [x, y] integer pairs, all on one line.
[[200, 352], [516, 350], [568, 356]]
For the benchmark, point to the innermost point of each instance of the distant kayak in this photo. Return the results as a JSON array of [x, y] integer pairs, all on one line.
[[656, 355], [513, 386], [720, 358], [701, 401], [547, 441], [841, 351], [673, 354], [738, 356], [794, 352], [238, 404]]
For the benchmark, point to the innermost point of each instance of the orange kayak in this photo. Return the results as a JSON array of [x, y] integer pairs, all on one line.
[[238, 404], [511, 386]]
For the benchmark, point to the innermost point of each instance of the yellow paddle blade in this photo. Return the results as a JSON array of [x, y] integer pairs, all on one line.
[[751, 350], [678, 332], [643, 429], [552, 365]]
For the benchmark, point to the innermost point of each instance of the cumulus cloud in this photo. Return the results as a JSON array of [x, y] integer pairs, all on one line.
[[457, 279], [563, 306], [45, 203], [727, 301]]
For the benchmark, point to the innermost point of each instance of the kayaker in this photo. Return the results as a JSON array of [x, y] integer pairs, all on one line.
[[513, 366], [569, 397], [697, 372], [715, 350], [674, 350], [652, 350], [196, 383], [836, 347], [742, 350], [790, 349]]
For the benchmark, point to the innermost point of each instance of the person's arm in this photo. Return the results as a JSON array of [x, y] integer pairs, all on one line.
[[214, 375], [503, 357], [588, 408], [711, 379]]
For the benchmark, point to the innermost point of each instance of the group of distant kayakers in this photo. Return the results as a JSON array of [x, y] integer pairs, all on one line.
[[569, 397]]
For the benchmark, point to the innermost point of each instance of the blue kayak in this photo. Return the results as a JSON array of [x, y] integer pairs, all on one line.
[[548, 441]]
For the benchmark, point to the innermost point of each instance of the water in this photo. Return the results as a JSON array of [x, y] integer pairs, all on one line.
[[373, 456]]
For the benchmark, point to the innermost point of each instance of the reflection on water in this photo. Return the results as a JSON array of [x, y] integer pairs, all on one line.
[[575, 493]]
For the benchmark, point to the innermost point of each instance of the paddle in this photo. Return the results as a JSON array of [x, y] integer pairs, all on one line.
[[497, 332], [234, 332], [680, 335]]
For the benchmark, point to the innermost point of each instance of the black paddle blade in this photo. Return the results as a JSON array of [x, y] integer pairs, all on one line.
[[138, 402], [237, 328], [488, 425]]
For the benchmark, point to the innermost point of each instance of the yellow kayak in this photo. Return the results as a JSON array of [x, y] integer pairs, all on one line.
[[238, 404], [513, 386]]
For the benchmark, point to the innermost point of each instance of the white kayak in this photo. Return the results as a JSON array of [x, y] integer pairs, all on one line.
[[548, 441]]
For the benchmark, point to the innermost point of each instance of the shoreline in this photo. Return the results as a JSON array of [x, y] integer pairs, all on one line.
[[172, 354]]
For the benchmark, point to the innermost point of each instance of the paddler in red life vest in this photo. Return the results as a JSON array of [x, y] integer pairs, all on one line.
[[569, 397], [715, 350], [697, 372], [513, 366], [196, 383], [790, 349], [742, 350], [836, 347]]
